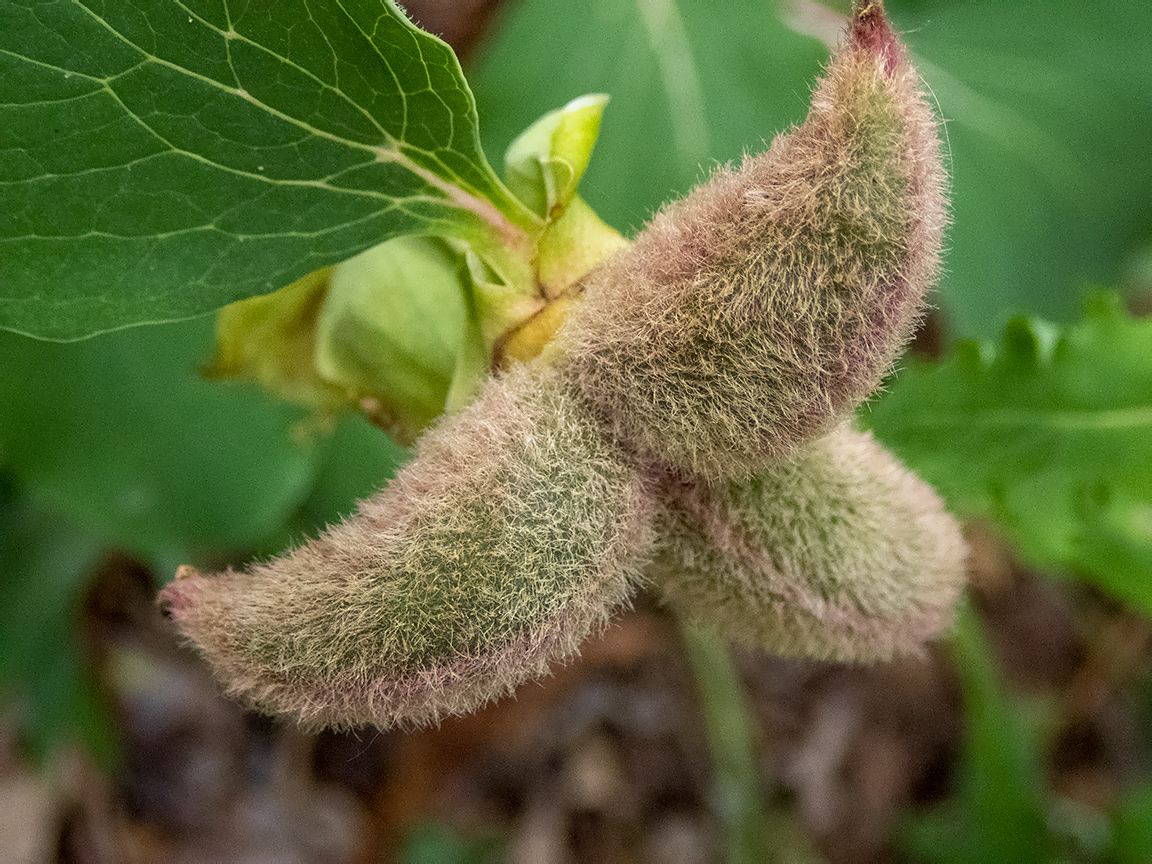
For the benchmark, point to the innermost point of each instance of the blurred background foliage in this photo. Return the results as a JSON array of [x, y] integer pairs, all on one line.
[[117, 442]]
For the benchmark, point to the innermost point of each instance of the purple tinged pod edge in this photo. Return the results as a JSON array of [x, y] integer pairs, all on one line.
[[760, 310]]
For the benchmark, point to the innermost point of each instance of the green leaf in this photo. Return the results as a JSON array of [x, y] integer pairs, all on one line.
[[45, 565], [691, 84], [160, 159], [1049, 115], [1049, 434], [120, 433], [483, 323]]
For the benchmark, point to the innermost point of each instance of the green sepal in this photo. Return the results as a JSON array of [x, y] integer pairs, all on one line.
[[573, 245], [569, 248], [544, 165], [384, 333], [474, 359], [271, 339], [390, 331]]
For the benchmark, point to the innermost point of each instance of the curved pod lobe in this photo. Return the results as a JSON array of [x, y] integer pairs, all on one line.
[[765, 306], [837, 554], [509, 539]]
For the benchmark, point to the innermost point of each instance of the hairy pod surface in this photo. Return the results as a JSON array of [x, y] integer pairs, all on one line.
[[765, 306], [838, 554], [512, 535]]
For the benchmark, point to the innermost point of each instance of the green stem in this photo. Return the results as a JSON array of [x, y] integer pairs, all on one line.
[[727, 722]]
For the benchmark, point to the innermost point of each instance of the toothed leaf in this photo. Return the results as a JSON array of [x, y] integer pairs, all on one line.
[[1049, 434]]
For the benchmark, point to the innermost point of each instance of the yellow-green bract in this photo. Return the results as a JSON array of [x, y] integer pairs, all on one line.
[[765, 306]]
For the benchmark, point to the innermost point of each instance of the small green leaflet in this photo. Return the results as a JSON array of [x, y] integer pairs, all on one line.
[[1049, 434], [160, 159]]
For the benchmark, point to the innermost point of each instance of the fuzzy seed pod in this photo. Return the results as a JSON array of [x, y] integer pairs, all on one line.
[[838, 554], [760, 310], [511, 536]]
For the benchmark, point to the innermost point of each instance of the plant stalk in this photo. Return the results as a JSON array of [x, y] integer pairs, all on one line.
[[737, 800]]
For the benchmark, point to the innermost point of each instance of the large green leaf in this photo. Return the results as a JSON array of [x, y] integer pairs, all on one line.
[[1049, 434], [120, 432], [159, 159]]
